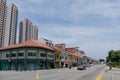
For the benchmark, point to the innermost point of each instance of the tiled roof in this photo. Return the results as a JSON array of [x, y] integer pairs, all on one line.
[[56, 47], [29, 43], [74, 54]]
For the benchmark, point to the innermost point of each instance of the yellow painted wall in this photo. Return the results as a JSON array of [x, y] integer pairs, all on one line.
[[57, 53]]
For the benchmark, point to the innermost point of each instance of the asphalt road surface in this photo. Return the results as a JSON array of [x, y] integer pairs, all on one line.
[[56, 74], [111, 75]]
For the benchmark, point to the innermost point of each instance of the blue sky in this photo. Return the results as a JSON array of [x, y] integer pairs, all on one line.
[[93, 25]]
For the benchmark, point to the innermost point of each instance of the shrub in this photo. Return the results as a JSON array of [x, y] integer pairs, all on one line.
[[115, 64]]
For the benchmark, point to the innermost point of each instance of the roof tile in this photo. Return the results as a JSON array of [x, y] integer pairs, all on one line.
[[29, 43]]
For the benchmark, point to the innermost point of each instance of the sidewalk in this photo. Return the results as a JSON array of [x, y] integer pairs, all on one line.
[[113, 74], [115, 69]]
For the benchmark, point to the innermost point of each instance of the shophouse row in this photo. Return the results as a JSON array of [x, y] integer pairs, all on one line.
[[33, 55]]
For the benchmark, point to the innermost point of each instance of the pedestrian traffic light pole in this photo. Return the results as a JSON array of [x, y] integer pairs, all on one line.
[[110, 62], [110, 66]]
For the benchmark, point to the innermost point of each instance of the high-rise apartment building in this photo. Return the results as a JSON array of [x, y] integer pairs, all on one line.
[[27, 31], [8, 23], [11, 25], [2, 21]]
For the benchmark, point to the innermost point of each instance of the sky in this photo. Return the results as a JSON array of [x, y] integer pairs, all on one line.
[[91, 25]]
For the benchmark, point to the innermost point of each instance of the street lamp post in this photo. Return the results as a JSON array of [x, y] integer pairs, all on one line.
[[9, 64], [44, 63]]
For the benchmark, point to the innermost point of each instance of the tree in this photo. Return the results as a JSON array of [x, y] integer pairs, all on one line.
[[110, 54], [113, 57], [101, 60]]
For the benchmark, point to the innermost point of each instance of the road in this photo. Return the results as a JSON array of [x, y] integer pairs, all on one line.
[[56, 74], [111, 75]]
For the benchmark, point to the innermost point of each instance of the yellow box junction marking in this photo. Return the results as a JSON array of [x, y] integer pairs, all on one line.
[[100, 76]]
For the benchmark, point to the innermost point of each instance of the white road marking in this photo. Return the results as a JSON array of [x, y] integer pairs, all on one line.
[[113, 77]]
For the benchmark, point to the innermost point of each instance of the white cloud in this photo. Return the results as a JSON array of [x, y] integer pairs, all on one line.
[[93, 39], [74, 11], [37, 1], [79, 30], [97, 7]]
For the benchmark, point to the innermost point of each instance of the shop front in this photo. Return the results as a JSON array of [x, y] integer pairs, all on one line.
[[27, 56]]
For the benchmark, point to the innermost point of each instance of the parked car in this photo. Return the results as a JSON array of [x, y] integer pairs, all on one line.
[[81, 67]]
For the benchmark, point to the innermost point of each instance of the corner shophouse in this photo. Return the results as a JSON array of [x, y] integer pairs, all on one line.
[[30, 55]]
